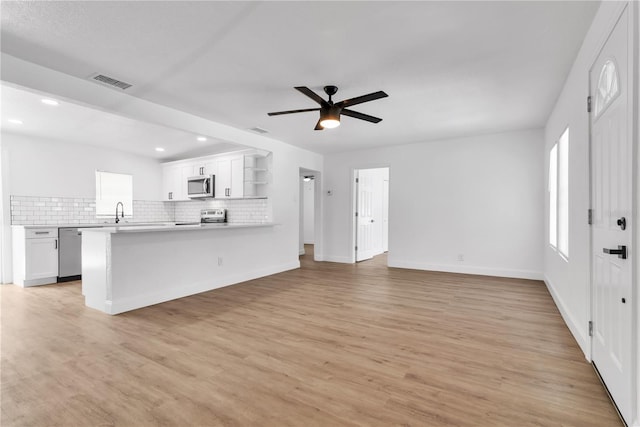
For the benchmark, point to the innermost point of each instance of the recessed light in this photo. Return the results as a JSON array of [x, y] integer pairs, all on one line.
[[50, 102], [159, 149], [15, 121], [201, 138]]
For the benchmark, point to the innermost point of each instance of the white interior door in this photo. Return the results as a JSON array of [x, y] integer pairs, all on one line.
[[385, 215], [364, 215], [612, 226]]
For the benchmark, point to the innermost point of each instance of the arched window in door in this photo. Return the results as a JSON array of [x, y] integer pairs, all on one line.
[[608, 87]]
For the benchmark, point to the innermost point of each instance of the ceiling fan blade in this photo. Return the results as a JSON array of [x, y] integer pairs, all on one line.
[[360, 99], [304, 110], [318, 127], [311, 94], [360, 116]]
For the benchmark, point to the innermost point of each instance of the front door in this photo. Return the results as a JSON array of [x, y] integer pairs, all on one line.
[[611, 171]]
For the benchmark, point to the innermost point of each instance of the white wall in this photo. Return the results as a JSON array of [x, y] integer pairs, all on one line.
[[480, 197], [47, 168], [308, 202]]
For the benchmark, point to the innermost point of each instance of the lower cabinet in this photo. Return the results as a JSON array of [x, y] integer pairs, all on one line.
[[35, 256]]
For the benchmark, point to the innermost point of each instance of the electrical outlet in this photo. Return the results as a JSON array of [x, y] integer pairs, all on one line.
[[219, 261], [461, 257]]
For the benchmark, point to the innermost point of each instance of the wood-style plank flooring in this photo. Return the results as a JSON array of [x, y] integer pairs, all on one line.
[[326, 345]]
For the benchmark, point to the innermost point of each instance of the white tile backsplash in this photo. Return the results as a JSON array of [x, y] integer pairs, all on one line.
[[28, 210], [238, 211]]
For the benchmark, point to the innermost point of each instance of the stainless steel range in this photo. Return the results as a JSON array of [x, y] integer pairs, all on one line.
[[209, 216]]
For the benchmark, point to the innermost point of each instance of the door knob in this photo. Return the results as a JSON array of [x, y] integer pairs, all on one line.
[[621, 251]]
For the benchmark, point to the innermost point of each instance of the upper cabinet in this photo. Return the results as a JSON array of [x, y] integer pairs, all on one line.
[[204, 168], [174, 181], [237, 175], [229, 177]]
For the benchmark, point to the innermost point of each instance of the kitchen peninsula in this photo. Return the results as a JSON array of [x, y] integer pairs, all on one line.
[[125, 268]]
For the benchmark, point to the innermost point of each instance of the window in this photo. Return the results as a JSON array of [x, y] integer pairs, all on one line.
[[553, 196], [112, 188], [608, 88], [559, 195], [563, 194]]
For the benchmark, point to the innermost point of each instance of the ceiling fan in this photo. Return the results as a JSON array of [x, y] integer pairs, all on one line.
[[330, 112]]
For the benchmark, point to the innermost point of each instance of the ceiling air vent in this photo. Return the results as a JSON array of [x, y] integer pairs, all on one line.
[[110, 81], [259, 130]]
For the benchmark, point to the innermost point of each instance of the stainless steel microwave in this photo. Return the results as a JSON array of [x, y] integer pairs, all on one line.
[[201, 186]]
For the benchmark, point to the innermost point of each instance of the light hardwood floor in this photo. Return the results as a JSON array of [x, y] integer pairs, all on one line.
[[326, 345]]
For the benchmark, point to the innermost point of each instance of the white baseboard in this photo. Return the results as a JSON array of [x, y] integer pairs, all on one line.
[[342, 259], [464, 269], [301, 252], [128, 304], [578, 331], [36, 282]]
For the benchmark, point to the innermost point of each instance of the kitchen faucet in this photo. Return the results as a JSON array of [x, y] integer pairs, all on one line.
[[122, 214]]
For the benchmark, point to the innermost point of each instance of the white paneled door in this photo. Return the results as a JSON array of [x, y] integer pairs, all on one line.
[[364, 215], [611, 172]]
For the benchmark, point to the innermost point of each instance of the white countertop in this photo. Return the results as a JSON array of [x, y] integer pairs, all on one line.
[[132, 228], [91, 225]]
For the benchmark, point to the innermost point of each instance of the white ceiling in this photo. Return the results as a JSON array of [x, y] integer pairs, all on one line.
[[450, 68], [70, 122]]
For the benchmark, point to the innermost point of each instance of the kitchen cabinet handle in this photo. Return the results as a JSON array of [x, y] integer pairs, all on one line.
[[42, 232], [56, 244]]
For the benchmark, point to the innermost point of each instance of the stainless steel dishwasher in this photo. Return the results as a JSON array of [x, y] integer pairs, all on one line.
[[69, 254]]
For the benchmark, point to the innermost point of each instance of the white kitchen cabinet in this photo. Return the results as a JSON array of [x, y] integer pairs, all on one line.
[[238, 175], [204, 168], [35, 256], [174, 182], [229, 177]]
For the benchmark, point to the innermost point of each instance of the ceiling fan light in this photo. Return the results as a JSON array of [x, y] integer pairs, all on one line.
[[330, 123], [330, 117]]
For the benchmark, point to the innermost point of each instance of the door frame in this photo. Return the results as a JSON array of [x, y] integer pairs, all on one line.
[[634, 123], [317, 211], [633, 133], [354, 200]]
